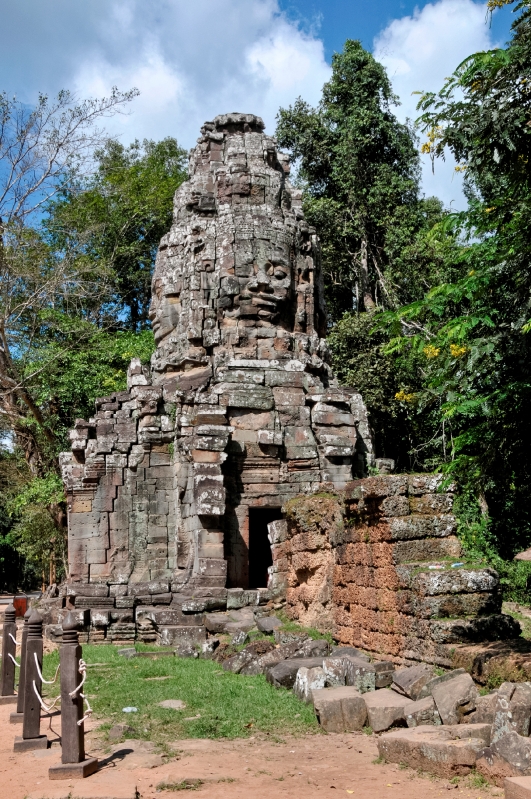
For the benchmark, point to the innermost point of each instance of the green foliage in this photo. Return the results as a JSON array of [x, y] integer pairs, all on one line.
[[404, 421], [360, 171], [34, 533], [74, 295], [473, 329], [76, 375], [116, 220]]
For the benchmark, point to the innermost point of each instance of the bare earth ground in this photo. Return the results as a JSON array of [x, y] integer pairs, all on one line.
[[324, 766]]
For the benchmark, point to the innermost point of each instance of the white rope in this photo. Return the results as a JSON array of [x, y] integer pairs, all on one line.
[[83, 671], [13, 659], [15, 640], [88, 711], [47, 682], [45, 707]]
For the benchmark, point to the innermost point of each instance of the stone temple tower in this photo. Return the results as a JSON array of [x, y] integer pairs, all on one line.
[[171, 485]]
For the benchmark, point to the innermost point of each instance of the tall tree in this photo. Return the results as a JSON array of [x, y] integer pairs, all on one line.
[[474, 331], [360, 170], [117, 218], [383, 245], [39, 149]]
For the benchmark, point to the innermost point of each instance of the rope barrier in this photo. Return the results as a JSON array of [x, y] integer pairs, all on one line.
[[15, 640], [83, 671], [13, 659], [47, 682], [46, 709]]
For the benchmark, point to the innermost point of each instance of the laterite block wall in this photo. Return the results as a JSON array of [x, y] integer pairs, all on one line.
[[374, 565]]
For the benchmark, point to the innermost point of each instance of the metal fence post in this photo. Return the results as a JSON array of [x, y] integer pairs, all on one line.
[[74, 764], [31, 737], [18, 716], [9, 651]]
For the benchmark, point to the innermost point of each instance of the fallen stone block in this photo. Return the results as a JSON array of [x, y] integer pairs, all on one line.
[[509, 756], [517, 788], [360, 674], [270, 657], [435, 681], [386, 708], [284, 674], [444, 751], [236, 663], [268, 624], [234, 627], [357, 672], [422, 712], [456, 697], [216, 622], [313, 648], [340, 709], [484, 712], [334, 668], [383, 673], [239, 638], [410, 682], [338, 651], [308, 680], [512, 712], [286, 637]]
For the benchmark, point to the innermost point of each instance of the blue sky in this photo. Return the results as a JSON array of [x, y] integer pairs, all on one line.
[[336, 20], [192, 60]]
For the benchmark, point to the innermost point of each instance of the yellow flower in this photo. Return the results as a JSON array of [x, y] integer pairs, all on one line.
[[492, 4], [430, 351], [457, 350], [402, 396]]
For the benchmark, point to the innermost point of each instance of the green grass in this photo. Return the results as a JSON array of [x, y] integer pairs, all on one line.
[[229, 705], [476, 780], [292, 627], [184, 785]]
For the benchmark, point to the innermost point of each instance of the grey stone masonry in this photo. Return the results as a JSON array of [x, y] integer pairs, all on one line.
[[238, 410]]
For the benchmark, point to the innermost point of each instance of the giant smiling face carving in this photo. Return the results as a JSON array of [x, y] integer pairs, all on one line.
[[267, 291]]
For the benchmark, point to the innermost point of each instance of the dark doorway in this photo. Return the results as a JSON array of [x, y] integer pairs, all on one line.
[[259, 547]]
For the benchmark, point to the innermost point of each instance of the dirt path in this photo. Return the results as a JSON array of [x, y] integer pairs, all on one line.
[[324, 766]]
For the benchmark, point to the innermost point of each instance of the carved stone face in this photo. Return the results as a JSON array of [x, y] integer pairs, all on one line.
[[269, 285], [164, 310]]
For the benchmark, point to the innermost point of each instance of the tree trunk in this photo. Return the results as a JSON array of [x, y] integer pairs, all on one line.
[[366, 294]]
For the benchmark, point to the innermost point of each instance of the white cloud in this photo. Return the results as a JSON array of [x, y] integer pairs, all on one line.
[[420, 51], [190, 60]]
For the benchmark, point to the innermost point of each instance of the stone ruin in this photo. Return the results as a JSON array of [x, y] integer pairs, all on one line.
[[171, 485], [176, 487]]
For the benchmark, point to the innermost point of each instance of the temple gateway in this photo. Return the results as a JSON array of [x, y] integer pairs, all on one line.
[[172, 484], [233, 471]]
